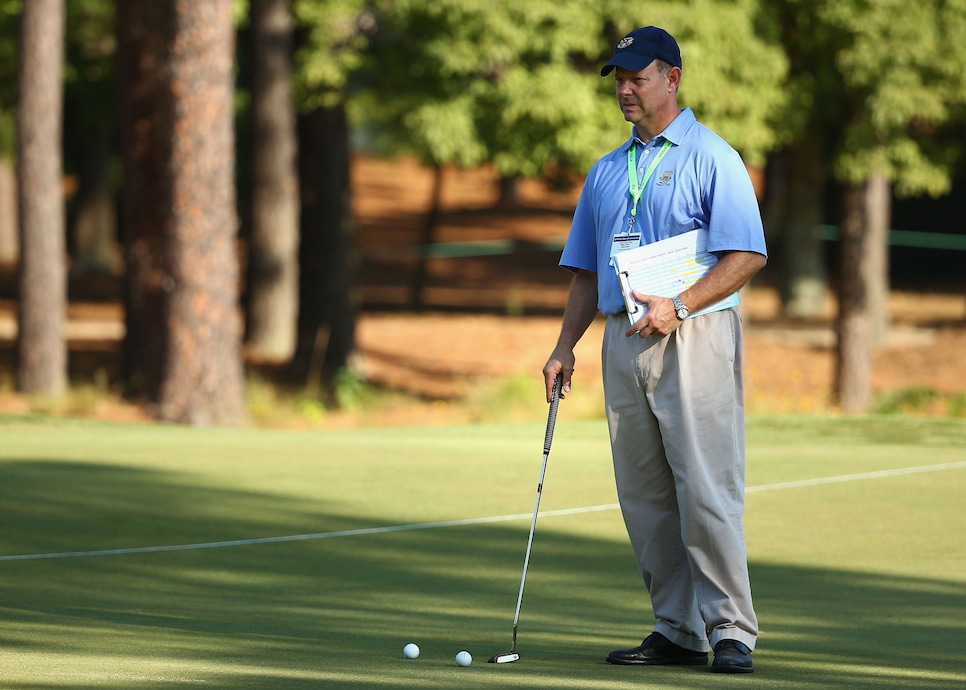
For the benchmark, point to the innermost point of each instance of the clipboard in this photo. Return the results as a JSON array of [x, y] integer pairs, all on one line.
[[667, 268]]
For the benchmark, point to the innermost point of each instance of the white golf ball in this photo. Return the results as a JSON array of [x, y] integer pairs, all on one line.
[[411, 651], [464, 659]]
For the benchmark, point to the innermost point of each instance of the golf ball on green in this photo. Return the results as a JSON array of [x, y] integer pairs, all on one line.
[[411, 651], [464, 659]]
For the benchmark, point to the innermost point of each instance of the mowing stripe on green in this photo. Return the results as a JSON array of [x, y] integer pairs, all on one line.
[[818, 481]]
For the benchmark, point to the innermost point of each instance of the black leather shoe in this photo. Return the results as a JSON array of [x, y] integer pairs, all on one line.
[[657, 650], [731, 656]]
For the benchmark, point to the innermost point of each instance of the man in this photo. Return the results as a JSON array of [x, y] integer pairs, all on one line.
[[673, 384]]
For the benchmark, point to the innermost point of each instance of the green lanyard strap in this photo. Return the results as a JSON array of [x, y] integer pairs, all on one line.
[[637, 188]]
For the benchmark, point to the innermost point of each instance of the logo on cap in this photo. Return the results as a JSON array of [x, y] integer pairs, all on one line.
[[626, 41]]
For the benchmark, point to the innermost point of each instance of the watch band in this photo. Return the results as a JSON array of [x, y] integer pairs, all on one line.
[[680, 309]]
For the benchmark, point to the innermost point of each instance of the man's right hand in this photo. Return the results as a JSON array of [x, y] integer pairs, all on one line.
[[556, 364]]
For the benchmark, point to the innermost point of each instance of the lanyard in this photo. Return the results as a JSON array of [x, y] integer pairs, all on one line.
[[637, 188]]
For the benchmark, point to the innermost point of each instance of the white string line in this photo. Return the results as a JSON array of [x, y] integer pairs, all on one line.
[[860, 476]]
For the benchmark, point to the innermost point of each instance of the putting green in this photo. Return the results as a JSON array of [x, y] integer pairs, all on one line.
[[289, 559]]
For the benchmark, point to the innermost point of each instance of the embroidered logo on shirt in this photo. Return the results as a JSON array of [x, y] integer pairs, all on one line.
[[626, 41], [664, 179]]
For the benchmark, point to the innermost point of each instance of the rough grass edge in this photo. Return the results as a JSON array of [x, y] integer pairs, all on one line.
[[356, 402]]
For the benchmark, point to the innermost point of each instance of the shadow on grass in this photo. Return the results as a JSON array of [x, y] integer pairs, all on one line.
[[336, 612]]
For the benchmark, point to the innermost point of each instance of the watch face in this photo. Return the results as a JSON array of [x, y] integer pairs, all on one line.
[[681, 309]]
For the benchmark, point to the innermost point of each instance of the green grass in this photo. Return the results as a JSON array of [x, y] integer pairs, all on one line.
[[859, 583]]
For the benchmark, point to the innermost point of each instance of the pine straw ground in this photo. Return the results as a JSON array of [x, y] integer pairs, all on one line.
[[491, 311]]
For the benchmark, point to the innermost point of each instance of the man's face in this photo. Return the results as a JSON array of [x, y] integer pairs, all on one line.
[[642, 95]]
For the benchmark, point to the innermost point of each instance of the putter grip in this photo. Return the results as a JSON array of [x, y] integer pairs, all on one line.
[[552, 416]]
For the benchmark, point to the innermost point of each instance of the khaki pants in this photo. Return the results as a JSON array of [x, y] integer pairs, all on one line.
[[675, 410]]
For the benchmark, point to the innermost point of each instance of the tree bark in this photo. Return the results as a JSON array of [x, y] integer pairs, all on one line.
[[92, 219], [805, 283], [273, 259], [42, 307], [203, 382], [9, 242], [863, 289], [508, 188], [427, 236], [142, 30], [327, 258], [878, 204]]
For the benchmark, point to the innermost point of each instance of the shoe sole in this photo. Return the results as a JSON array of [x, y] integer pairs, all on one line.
[[698, 661], [732, 669]]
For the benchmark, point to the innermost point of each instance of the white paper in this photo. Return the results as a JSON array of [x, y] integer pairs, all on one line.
[[666, 269]]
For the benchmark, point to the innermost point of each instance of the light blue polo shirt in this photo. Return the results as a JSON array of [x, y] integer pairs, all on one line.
[[701, 182]]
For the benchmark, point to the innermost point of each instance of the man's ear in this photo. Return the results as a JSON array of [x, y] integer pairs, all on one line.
[[673, 78]]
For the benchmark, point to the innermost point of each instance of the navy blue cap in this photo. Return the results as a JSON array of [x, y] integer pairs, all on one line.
[[641, 47]]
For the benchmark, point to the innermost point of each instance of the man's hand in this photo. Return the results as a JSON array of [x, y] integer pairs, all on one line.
[[558, 362], [660, 318]]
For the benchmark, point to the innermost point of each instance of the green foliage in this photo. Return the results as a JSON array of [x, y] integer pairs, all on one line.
[[519, 398], [512, 83], [271, 405], [518, 84], [887, 68], [447, 131], [9, 48], [90, 89], [921, 400], [734, 67], [886, 91], [335, 38], [240, 10], [957, 406], [352, 392]]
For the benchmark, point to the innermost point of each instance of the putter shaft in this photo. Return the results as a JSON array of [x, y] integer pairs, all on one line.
[[512, 655]]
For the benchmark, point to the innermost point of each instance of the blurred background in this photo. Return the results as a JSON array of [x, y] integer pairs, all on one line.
[[209, 206]]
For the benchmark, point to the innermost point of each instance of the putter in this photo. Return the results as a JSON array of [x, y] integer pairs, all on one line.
[[513, 655]]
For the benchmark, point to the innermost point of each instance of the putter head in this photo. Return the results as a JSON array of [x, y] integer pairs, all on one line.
[[507, 658]]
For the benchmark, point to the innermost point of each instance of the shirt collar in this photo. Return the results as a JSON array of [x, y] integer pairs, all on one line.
[[674, 132]]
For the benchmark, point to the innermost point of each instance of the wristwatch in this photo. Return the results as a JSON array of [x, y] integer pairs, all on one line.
[[680, 309]]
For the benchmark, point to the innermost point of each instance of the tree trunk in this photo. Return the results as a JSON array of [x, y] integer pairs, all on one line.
[[428, 235], [863, 285], [804, 284], [9, 244], [92, 221], [508, 190], [42, 307], [876, 266], [327, 310], [203, 381], [273, 259], [142, 31]]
